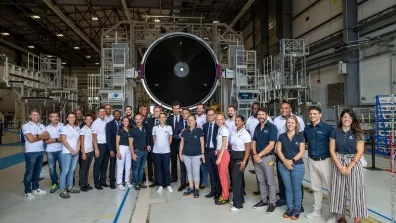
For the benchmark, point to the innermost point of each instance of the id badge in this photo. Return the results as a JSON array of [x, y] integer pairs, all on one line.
[[271, 163]]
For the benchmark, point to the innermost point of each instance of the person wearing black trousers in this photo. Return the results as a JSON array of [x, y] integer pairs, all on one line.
[[151, 122], [111, 133], [240, 142]]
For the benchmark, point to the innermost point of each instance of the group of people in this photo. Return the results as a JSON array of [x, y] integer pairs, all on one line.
[[202, 145]]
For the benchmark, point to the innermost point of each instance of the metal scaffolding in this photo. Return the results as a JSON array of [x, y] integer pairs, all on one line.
[[93, 91]]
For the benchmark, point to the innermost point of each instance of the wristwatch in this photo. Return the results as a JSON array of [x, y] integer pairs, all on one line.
[[56, 140], [293, 160]]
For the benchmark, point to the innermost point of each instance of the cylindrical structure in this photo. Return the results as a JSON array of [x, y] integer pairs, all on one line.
[[179, 67]]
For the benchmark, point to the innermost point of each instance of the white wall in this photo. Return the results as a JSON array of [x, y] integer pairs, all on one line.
[[328, 75], [319, 13], [371, 7], [7, 104]]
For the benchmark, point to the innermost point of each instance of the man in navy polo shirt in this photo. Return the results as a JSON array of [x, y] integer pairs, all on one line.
[[317, 134], [263, 143]]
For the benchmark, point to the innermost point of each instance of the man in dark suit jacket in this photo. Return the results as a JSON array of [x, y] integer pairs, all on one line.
[[111, 133], [210, 130], [176, 122]]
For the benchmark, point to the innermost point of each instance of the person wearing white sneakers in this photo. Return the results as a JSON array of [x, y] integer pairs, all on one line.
[[34, 134], [162, 138], [124, 158]]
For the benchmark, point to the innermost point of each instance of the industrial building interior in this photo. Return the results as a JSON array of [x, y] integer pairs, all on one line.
[[65, 55]]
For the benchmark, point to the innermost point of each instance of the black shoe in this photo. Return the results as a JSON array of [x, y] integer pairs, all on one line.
[[260, 205], [216, 197], [202, 186], [89, 187], [257, 192], [230, 190], [270, 209], [173, 180], [137, 187], [152, 185], [244, 193], [222, 202], [112, 186], [141, 185], [151, 179], [188, 192], [302, 209], [210, 195], [181, 188], [84, 188], [196, 193], [98, 187], [104, 185], [280, 203]]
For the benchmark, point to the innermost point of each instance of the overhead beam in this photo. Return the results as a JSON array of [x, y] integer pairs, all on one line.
[[13, 46], [125, 5], [240, 14], [62, 16]]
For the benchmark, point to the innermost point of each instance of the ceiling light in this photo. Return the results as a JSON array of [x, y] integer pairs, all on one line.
[[35, 16], [215, 21], [206, 38], [49, 56], [88, 57], [5, 34], [107, 36], [63, 63], [31, 47], [95, 18], [76, 47], [157, 20], [97, 63], [59, 34]]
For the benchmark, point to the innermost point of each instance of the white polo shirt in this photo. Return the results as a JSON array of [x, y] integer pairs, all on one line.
[[239, 139], [231, 127], [88, 143], [252, 123], [54, 133], [280, 124], [109, 118], [72, 136], [223, 131], [162, 134], [34, 129], [201, 120], [99, 128]]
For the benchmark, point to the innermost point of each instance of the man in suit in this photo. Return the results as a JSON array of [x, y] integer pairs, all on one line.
[[111, 132], [149, 124], [183, 171], [177, 126], [210, 130]]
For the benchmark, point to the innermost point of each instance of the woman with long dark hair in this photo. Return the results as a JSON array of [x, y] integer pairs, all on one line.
[[346, 150], [123, 146], [70, 136], [240, 143]]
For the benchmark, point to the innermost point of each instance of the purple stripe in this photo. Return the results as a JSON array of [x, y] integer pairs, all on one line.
[[141, 71], [218, 69]]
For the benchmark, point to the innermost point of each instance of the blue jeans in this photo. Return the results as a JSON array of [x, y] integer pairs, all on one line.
[[138, 166], [34, 164], [204, 176], [69, 163], [52, 157], [162, 172], [292, 180]]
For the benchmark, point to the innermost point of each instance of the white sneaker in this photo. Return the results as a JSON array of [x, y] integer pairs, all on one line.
[[129, 185], [160, 190], [29, 196], [313, 214], [121, 187], [169, 189], [38, 192], [332, 219], [235, 209]]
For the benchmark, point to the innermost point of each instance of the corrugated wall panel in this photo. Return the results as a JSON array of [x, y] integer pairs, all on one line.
[[371, 7]]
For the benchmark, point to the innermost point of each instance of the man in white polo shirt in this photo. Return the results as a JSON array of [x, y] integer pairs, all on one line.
[[101, 152], [280, 123], [54, 148], [200, 116], [34, 133]]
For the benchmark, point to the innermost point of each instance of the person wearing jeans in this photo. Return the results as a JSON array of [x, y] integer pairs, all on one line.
[[139, 152], [191, 152], [291, 148], [123, 146], [54, 149], [162, 138], [71, 146], [34, 134]]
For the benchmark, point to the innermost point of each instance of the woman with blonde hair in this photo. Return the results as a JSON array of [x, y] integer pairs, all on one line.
[[291, 148]]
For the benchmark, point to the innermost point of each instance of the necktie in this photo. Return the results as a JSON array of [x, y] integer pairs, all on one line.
[[156, 122], [185, 124], [209, 136]]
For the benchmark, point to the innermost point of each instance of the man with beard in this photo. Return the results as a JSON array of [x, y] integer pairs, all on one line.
[[143, 111], [280, 123], [151, 122], [79, 118], [200, 116], [230, 122], [111, 133], [128, 113]]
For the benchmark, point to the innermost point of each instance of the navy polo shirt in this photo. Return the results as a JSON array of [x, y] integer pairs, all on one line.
[[124, 137], [290, 148], [345, 141], [192, 143], [264, 136], [318, 138], [139, 137]]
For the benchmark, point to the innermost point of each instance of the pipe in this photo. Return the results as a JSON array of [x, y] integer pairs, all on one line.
[[240, 14], [124, 4], [62, 16]]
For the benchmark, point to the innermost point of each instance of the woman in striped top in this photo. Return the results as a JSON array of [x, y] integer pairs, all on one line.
[[346, 149]]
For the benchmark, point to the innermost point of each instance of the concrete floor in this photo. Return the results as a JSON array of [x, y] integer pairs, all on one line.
[[148, 206]]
